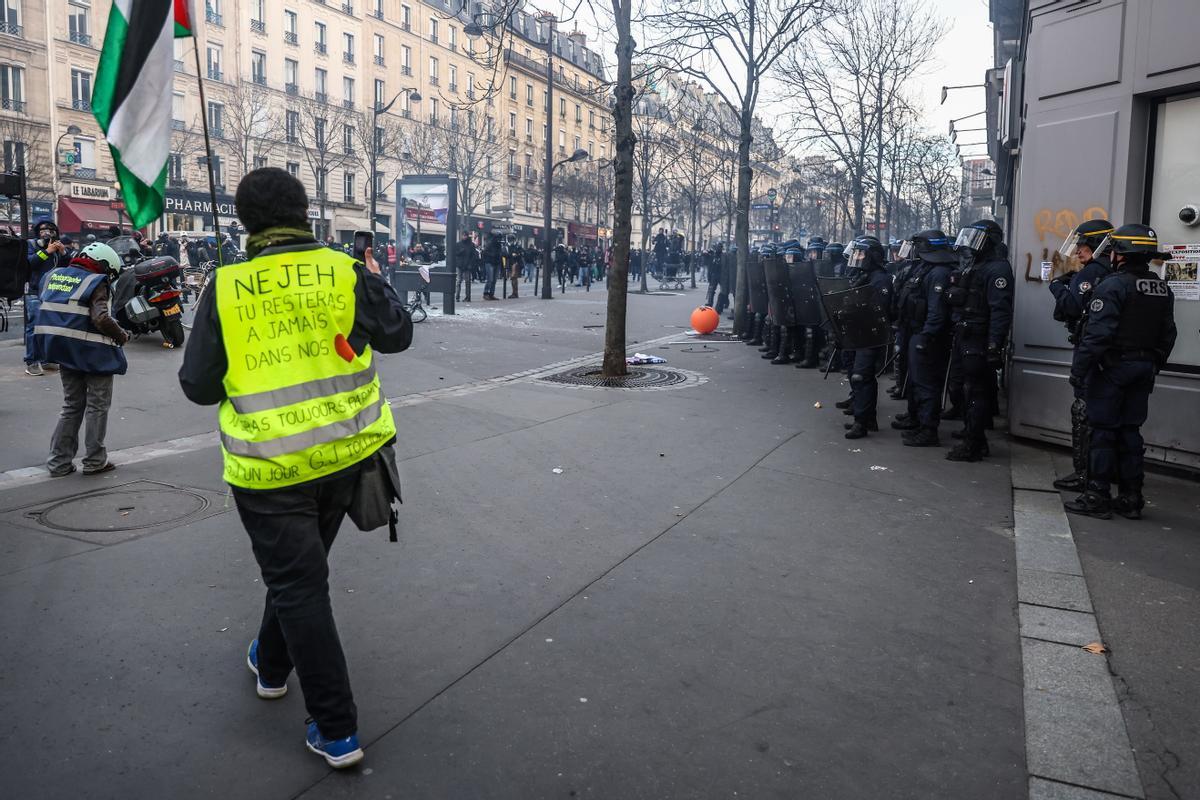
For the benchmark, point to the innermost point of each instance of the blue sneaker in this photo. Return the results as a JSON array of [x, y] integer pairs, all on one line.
[[338, 753], [264, 691]]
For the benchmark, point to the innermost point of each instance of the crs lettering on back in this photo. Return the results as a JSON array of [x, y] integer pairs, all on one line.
[[1154, 288]]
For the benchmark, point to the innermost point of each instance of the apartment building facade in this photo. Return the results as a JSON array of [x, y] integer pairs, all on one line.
[[294, 84]]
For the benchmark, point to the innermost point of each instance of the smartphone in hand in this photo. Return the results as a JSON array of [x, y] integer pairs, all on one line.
[[364, 242]]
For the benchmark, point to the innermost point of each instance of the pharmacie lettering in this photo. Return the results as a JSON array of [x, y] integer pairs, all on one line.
[[266, 280]]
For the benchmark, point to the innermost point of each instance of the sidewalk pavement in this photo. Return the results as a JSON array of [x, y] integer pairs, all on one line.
[[717, 596]]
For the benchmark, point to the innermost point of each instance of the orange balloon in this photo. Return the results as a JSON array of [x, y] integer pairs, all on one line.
[[705, 319]]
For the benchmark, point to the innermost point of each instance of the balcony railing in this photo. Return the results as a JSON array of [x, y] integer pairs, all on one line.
[[433, 80], [471, 93], [214, 74], [85, 172], [433, 119], [320, 49], [291, 88], [320, 97], [81, 104], [347, 103], [379, 62], [406, 113], [406, 70], [291, 37], [377, 13], [348, 58], [213, 18], [433, 37], [258, 26], [260, 79], [84, 39], [177, 183], [406, 26], [348, 8], [12, 29], [514, 171], [454, 87], [217, 132]]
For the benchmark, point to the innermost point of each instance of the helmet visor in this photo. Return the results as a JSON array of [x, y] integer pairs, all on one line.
[[1102, 248], [1069, 246], [906, 250], [971, 239], [856, 257]]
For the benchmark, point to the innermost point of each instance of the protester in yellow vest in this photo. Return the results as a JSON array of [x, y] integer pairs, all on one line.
[[285, 342]]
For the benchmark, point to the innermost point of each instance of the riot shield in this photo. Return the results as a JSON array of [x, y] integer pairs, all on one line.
[[757, 278], [779, 290], [806, 295], [858, 317]]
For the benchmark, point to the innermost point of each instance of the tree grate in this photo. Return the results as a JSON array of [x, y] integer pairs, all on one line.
[[640, 378]]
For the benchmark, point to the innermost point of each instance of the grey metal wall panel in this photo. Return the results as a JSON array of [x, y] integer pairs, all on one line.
[[1170, 27], [1060, 41]]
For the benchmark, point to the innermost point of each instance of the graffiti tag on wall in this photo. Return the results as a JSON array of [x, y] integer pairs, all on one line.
[[1063, 221]]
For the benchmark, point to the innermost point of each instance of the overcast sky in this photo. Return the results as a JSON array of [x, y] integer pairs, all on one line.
[[963, 56]]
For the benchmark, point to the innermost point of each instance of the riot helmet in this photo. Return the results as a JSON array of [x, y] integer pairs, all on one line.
[[834, 250], [1136, 244], [793, 253], [1090, 233], [864, 250], [980, 237], [933, 246], [816, 248]]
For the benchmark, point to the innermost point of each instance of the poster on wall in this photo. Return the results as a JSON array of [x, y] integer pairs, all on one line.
[[1180, 271]]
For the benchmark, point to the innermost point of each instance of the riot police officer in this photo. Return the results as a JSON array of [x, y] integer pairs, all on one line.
[[1127, 337], [835, 261], [866, 264], [982, 298], [814, 335], [1072, 292], [925, 318], [901, 268]]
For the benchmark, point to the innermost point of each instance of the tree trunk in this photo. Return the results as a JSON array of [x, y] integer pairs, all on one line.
[[618, 275], [745, 178]]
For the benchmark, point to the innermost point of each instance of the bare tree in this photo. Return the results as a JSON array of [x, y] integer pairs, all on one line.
[[936, 170], [623, 146], [469, 151], [253, 126], [26, 145], [847, 85], [327, 134], [731, 45]]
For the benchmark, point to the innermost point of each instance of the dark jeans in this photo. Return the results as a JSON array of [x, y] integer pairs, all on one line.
[[1118, 400], [291, 531], [464, 283], [489, 280], [926, 376]]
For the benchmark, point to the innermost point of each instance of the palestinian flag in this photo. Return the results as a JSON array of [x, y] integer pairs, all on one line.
[[132, 98]]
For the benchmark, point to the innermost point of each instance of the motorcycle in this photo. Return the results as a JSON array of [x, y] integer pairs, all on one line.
[[147, 295]]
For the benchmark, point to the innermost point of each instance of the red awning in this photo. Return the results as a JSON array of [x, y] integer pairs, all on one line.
[[78, 216]]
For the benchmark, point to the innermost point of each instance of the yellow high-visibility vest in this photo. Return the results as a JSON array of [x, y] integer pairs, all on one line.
[[300, 404]]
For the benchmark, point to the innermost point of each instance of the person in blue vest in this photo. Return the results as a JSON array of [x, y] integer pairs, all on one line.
[[75, 330], [44, 252]]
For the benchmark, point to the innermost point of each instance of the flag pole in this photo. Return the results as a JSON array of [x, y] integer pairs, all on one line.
[[212, 185]]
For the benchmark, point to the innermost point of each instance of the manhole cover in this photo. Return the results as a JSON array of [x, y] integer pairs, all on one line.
[[121, 510], [119, 513], [642, 377]]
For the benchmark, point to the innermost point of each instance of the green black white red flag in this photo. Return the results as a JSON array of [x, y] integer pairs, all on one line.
[[132, 97]]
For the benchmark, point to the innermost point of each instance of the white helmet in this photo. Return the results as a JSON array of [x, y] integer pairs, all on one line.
[[102, 253]]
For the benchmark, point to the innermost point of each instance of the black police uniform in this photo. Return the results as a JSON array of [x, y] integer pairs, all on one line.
[[983, 305], [1072, 293], [865, 363], [900, 290], [926, 314], [1128, 336]]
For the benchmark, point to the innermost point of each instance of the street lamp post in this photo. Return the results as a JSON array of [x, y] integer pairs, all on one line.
[[547, 189], [72, 130], [376, 110]]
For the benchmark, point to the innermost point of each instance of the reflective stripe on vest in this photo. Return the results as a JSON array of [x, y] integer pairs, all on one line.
[[67, 308], [71, 333], [300, 404]]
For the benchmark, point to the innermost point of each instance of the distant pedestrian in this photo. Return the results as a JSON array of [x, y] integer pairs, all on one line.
[[464, 262], [45, 252]]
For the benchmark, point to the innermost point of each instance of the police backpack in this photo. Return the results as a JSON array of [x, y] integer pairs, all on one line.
[[14, 267]]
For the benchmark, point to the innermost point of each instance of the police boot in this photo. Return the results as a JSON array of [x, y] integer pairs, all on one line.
[[1075, 482], [811, 355], [859, 428], [922, 437], [756, 339], [842, 404], [784, 356], [966, 451], [767, 336], [772, 351], [903, 422], [798, 342], [1129, 502], [1090, 504]]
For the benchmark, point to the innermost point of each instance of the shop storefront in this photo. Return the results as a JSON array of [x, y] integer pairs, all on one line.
[[88, 208], [581, 234]]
